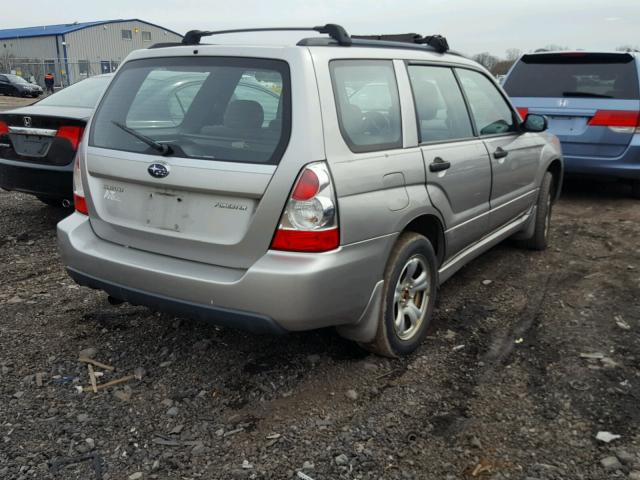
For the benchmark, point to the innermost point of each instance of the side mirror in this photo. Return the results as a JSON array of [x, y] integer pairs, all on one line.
[[535, 123]]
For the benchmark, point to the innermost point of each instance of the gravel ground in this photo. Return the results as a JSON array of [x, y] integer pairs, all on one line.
[[530, 356]]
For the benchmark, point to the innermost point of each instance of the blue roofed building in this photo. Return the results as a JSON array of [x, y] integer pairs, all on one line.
[[74, 51]]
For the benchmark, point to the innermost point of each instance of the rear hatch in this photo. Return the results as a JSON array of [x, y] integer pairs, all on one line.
[[592, 100], [44, 135], [181, 151]]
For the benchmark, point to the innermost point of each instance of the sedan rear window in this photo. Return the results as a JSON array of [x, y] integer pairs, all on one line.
[[82, 94], [213, 108], [575, 74]]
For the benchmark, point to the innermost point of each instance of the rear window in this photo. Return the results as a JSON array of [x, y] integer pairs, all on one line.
[[82, 94], [213, 108], [577, 74]]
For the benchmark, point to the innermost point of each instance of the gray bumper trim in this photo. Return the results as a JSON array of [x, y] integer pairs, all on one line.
[[252, 322]]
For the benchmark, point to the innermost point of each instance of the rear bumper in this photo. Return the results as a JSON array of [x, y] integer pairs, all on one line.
[[40, 180], [626, 166], [282, 291]]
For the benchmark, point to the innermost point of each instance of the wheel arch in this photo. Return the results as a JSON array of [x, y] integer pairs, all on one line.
[[432, 228], [556, 169]]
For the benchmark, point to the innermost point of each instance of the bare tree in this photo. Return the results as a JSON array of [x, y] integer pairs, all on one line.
[[487, 60], [512, 54], [628, 48], [552, 47]]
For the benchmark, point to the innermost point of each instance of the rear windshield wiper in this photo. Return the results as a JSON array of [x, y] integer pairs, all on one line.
[[585, 94], [162, 148]]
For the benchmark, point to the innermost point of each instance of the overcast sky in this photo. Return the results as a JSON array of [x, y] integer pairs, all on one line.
[[472, 26]]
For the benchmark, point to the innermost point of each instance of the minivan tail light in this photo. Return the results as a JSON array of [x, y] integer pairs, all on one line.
[[624, 121], [4, 128], [523, 112], [309, 222], [72, 134], [79, 199]]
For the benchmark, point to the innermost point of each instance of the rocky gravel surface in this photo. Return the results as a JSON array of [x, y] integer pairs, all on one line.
[[531, 371]]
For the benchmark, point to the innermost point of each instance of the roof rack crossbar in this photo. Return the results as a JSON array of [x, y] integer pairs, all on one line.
[[336, 32], [437, 42]]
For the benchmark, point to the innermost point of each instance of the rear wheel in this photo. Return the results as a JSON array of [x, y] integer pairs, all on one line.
[[410, 287], [635, 189], [540, 238]]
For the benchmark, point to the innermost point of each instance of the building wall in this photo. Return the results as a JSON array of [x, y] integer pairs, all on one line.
[[90, 51], [105, 42], [29, 48]]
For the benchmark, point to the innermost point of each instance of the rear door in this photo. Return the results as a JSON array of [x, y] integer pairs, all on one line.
[[591, 99], [204, 200]]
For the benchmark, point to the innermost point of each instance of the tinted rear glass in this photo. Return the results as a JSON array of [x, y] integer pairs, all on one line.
[[574, 75], [82, 94], [213, 108]]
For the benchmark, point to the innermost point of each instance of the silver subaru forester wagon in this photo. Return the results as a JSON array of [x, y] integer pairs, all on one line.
[[335, 182]]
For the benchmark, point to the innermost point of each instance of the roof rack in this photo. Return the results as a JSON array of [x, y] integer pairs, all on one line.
[[337, 34]]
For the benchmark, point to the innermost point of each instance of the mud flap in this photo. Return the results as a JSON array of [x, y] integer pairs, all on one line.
[[364, 330]]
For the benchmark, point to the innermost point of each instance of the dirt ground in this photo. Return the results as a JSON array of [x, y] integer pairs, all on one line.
[[530, 355]]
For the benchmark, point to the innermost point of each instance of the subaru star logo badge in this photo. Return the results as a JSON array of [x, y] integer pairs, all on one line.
[[158, 170], [26, 121]]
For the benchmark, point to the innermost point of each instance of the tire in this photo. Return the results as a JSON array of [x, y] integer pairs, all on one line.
[[400, 333], [635, 189], [540, 238], [52, 202]]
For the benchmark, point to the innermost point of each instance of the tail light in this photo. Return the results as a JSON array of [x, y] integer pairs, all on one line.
[[621, 121], [79, 199], [4, 128], [309, 222], [523, 112], [72, 134]]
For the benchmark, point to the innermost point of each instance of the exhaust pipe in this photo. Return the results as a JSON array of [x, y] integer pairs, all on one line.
[[66, 203], [114, 300]]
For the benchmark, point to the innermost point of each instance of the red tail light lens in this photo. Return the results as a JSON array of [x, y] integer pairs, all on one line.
[[80, 204], [4, 128], [303, 241], [307, 187], [309, 222], [72, 134], [523, 112], [79, 200], [616, 118]]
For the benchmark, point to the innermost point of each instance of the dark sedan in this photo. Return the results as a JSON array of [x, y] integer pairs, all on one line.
[[16, 86], [38, 143]]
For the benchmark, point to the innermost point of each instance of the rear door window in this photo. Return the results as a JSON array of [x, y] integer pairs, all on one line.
[[575, 74], [490, 111], [368, 105], [442, 113], [197, 107]]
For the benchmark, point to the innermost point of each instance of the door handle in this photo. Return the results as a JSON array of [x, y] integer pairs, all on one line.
[[500, 153], [438, 165]]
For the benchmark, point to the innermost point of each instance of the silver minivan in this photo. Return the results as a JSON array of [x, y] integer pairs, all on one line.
[[335, 182]]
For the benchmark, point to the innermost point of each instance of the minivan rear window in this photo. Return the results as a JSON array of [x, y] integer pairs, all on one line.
[[574, 74], [212, 108]]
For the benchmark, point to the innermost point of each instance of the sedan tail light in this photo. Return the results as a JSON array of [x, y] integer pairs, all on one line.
[[309, 222], [4, 128], [72, 134]]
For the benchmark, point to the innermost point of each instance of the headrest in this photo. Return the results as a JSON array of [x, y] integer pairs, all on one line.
[[243, 114], [352, 119], [427, 99]]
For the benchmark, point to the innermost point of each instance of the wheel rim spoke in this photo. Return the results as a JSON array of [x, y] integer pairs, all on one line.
[[420, 284]]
